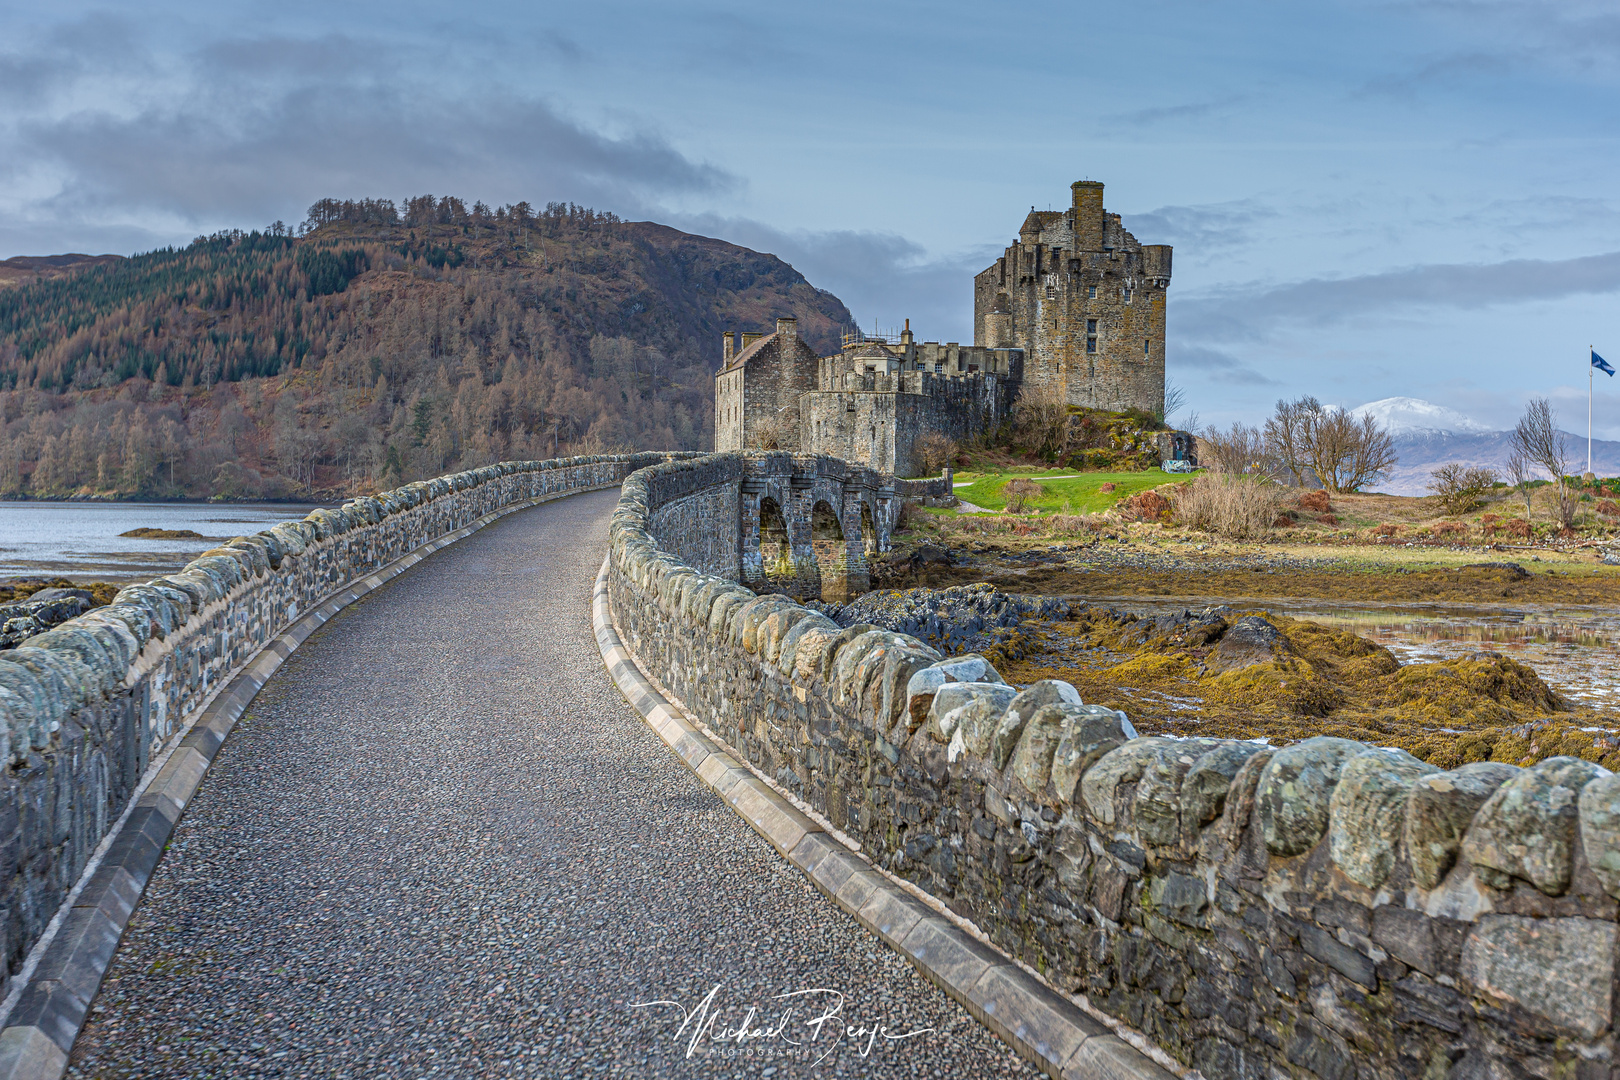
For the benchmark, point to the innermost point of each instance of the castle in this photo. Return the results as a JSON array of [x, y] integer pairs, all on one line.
[[1074, 308]]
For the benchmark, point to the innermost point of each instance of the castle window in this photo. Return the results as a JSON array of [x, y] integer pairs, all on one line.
[[1091, 292], [1127, 294], [1146, 345], [1091, 335]]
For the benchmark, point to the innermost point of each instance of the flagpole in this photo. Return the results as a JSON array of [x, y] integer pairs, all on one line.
[[1592, 350]]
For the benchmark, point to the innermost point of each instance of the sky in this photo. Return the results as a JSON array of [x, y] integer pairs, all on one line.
[[1366, 199]]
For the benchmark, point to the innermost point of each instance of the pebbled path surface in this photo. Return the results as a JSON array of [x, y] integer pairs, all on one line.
[[439, 843]]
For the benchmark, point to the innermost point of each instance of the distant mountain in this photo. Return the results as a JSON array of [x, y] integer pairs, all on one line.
[[27, 269], [1428, 436], [375, 345], [1405, 414]]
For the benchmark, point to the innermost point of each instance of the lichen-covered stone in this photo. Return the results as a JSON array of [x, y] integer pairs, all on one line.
[[1158, 794], [1560, 971], [926, 683], [1439, 810], [1123, 765], [1295, 788], [1038, 741], [1368, 813], [1599, 807], [1203, 789], [957, 703], [1526, 829], [1046, 692], [1090, 732]]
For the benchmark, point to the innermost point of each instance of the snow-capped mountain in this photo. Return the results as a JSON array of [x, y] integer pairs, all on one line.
[[1428, 436], [1405, 414]]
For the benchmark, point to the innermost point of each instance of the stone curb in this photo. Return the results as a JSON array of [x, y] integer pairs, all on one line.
[[52, 1007], [1041, 1024]]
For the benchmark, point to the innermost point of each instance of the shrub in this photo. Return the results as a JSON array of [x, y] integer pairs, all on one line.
[[1106, 489], [1608, 508], [1518, 527], [1316, 501], [1460, 487], [1388, 528], [1328, 519], [1018, 492], [1236, 507], [1449, 528], [1145, 506], [935, 451]]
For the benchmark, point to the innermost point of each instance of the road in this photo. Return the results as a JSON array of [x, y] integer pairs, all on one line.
[[439, 843]]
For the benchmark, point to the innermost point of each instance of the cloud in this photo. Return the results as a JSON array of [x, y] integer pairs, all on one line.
[[247, 129], [1192, 110], [1247, 312], [1212, 365], [882, 277], [1201, 228]]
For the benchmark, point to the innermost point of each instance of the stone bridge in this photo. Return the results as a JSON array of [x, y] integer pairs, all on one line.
[[428, 786]]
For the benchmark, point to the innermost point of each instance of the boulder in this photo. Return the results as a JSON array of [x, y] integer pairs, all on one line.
[[1250, 640]]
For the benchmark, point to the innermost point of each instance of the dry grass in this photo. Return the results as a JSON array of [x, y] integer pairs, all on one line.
[[1236, 507]]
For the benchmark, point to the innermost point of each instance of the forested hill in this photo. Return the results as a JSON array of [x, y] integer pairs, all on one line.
[[376, 345]]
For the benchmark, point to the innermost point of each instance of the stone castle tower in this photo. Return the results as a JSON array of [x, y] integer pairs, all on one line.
[[1085, 303]]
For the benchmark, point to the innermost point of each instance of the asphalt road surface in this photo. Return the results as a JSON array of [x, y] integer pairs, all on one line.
[[439, 843]]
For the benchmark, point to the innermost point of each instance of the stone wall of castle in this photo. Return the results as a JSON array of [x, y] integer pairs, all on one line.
[[1086, 303], [878, 420], [757, 390], [1328, 909], [87, 706]]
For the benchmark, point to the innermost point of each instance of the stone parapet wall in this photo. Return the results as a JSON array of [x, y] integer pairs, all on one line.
[[86, 706], [1327, 909]]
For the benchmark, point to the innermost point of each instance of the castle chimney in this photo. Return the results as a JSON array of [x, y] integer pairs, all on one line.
[[787, 334], [1088, 214], [905, 335], [726, 346]]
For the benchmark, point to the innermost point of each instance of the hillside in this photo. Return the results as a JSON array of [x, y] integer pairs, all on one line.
[[27, 269], [375, 346]]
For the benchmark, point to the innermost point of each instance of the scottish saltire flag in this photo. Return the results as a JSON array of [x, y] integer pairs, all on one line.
[[1601, 364]]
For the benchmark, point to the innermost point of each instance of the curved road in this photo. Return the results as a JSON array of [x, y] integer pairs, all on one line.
[[439, 843]]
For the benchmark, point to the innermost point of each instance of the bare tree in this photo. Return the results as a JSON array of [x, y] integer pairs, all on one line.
[[1288, 435], [1175, 401], [1341, 451], [1538, 440], [1238, 451], [1518, 471], [1350, 452]]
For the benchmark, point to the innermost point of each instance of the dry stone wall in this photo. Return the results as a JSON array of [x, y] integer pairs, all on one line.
[[1327, 909], [86, 706]]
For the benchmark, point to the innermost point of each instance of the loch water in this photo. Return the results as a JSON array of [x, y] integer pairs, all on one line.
[[80, 540]]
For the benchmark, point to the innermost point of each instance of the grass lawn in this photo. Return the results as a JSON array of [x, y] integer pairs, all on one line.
[[1081, 492]]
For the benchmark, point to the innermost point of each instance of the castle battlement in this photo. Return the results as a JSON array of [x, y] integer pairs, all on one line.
[[1075, 305]]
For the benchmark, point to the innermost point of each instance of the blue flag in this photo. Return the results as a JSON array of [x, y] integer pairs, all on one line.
[[1601, 364]]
